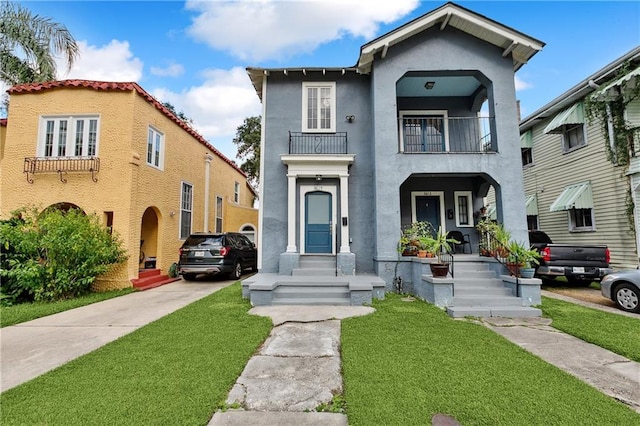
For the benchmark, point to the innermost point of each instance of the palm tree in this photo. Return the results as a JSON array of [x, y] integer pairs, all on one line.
[[28, 44]]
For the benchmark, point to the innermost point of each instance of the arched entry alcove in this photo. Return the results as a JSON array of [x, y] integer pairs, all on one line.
[[64, 207], [149, 238]]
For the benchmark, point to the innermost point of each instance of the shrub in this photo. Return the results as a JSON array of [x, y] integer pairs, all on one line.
[[54, 255]]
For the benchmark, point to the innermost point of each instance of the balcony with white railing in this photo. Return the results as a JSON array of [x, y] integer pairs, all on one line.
[[442, 134]]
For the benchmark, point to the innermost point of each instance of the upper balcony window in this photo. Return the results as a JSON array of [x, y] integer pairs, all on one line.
[[69, 136], [155, 148], [319, 107], [570, 123]]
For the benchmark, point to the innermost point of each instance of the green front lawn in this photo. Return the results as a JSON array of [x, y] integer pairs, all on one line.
[[10, 315], [173, 371], [409, 361], [618, 333]]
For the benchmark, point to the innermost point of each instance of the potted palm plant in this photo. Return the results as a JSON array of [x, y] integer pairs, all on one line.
[[441, 245], [521, 259]]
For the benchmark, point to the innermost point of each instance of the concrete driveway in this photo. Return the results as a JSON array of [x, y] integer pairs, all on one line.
[[32, 348]]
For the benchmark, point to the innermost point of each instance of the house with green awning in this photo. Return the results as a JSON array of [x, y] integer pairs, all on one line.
[[575, 190]]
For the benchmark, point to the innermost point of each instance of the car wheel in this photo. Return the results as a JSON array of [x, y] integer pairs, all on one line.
[[627, 298], [237, 271], [189, 277]]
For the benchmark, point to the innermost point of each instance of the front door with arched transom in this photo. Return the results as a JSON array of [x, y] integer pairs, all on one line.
[[317, 222]]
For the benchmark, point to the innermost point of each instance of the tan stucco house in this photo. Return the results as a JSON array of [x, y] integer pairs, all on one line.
[[114, 150]]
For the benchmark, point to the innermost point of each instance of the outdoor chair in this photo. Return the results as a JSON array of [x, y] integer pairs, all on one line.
[[463, 241]]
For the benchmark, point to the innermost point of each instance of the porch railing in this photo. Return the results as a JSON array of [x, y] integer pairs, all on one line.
[[317, 143], [451, 134], [61, 165], [490, 246]]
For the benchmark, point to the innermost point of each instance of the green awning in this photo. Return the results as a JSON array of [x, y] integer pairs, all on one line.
[[612, 90], [576, 196], [573, 115], [526, 140], [531, 205]]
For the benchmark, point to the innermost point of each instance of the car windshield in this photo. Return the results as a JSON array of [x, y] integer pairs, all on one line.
[[205, 240]]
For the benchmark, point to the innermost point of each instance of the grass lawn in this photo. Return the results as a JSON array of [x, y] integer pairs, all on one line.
[[409, 361], [10, 315], [175, 370], [618, 333]]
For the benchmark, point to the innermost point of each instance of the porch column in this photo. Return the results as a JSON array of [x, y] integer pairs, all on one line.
[[208, 158], [291, 214], [344, 212]]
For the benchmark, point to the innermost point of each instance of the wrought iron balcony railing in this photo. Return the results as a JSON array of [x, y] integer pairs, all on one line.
[[61, 165], [438, 134], [317, 143]]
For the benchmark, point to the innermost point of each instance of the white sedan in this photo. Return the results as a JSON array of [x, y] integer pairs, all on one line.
[[623, 287]]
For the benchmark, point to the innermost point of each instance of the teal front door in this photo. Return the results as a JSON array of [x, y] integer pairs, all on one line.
[[428, 209], [317, 224]]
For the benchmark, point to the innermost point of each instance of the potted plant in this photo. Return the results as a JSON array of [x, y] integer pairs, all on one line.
[[441, 244], [426, 246], [522, 258], [410, 237]]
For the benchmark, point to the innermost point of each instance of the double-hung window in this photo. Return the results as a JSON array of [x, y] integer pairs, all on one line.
[[319, 107], [573, 136], [464, 209], [186, 209], [69, 136], [155, 148], [236, 192], [218, 214], [581, 220]]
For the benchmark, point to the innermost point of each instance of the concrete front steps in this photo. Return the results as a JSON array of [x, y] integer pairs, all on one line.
[[315, 266], [151, 278], [479, 293]]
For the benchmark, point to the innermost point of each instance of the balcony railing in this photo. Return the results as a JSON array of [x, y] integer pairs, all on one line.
[[61, 165], [451, 134], [317, 143]]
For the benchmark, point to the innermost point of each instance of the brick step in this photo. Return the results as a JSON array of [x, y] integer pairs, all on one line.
[[151, 278], [145, 273], [155, 284]]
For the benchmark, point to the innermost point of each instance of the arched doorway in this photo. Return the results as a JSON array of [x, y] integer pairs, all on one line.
[[148, 239], [64, 207], [249, 231]]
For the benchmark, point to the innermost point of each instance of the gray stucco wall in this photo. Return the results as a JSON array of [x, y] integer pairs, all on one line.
[[444, 50]]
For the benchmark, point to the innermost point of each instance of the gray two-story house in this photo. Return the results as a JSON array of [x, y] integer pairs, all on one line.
[[418, 130]]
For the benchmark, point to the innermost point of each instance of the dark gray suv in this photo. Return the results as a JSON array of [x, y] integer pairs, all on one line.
[[229, 253]]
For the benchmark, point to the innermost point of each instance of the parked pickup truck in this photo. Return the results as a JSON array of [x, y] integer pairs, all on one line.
[[580, 264]]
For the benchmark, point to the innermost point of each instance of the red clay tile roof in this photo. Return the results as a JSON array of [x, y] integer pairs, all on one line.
[[107, 85]]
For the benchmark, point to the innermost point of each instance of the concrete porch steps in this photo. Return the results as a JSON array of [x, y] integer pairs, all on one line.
[[478, 292], [315, 292], [314, 266], [151, 278]]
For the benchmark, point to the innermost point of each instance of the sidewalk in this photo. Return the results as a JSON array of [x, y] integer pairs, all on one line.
[[30, 349]]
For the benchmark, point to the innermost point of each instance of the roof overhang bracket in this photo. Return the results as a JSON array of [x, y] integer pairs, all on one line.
[[445, 21], [384, 50], [509, 49]]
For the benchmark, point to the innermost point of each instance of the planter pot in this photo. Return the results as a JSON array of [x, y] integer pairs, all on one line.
[[527, 272], [439, 269], [514, 269], [422, 253]]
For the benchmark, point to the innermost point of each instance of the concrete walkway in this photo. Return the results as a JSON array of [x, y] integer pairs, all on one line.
[[30, 349], [298, 367]]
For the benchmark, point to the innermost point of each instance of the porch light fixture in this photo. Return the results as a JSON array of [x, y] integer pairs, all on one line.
[[318, 178], [429, 85], [350, 118], [172, 213]]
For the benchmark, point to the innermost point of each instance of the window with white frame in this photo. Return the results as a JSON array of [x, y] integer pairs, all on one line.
[[527, 156], [155, 148], [236, 192], [249, 232], [69, 136], [573, 136], [319, 107], [464, 208], [423, 131], [581, 220], [186, 210], [532, 222], [218, 214]]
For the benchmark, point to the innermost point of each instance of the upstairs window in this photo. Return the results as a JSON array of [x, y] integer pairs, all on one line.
[[319, 107], [155, 148], [423, 131], [581, 220], [69, 136], [186, 210], [573, 137], [236, 192], [218, 214], [527, 156]]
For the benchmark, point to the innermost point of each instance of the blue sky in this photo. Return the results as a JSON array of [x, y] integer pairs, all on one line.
[[194, 54]]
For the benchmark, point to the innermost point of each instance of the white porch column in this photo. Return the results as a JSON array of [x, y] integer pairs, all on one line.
[[291, 214], [208, 158], [344, 212]]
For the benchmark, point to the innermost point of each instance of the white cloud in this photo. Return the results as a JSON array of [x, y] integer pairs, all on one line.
[[111, 62], [257, 30], [218, 106], [521, 84], [171, 70]]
